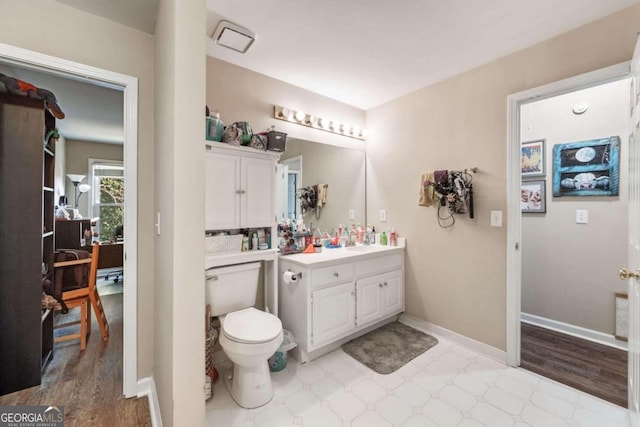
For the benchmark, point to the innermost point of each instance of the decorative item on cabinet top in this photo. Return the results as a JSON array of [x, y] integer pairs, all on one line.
[[241, 134]]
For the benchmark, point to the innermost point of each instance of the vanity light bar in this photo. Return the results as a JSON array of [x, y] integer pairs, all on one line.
[[309, 120]]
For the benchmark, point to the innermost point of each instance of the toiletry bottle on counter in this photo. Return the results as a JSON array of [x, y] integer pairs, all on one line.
[[383, 239], [393, 238], [254, 242], [245, 243]]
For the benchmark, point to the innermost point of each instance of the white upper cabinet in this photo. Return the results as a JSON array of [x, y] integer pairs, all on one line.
[[258, 183], [240, 188]]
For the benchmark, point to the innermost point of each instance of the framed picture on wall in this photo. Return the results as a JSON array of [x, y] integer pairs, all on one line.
[[587, 168], [532, 158], [533, 196]]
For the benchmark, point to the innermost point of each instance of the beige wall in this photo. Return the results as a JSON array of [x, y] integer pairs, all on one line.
[[52, 28], [179, 186], [456, 278], [77, 155], [244, 95], [568, 269]]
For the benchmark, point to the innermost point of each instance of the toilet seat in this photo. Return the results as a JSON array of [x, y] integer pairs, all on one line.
[[251, 326]]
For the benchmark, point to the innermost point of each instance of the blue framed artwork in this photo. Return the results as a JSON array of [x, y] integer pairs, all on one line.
[[587, 168], [532, 158]]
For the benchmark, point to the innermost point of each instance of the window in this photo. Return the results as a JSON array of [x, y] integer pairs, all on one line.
[[107, 197]]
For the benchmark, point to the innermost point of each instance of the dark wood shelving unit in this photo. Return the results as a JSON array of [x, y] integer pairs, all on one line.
[[27, 233]]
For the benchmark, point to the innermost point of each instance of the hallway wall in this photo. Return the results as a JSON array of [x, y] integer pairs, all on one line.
[[569, 270]]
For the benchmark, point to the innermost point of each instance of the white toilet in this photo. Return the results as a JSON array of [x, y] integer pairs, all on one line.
[[248, 336]]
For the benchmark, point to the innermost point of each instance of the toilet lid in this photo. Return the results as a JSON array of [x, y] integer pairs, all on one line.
[[251, 326]]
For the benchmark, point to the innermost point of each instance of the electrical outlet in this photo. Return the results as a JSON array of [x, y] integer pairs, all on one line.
[[383, 215], [496, 218], [352, 214], [582, 216]]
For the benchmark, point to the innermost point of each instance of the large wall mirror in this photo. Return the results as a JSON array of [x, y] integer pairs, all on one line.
[[306, 164]]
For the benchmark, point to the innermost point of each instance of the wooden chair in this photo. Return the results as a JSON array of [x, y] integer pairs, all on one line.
[[85, 298]]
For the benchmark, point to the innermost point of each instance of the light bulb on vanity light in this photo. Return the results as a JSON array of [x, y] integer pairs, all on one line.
[[325, 123], [312, 120], [286, 113], [355, 131], [300, 115], [346, 129], [335, 126]]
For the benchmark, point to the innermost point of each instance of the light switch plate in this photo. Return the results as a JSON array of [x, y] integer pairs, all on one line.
[[496, 218], [383, 215], [352, 214], [582, 216]]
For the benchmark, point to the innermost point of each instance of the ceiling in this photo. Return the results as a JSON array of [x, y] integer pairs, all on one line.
[[361, 52], [368, 52]]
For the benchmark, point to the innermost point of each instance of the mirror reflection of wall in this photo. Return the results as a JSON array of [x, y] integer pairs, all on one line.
[[306, 163]]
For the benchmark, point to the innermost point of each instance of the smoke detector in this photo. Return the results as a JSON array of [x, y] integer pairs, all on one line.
[[233, 36]]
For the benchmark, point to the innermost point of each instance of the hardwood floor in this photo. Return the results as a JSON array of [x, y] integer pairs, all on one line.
[[88, 383], [596, 369]]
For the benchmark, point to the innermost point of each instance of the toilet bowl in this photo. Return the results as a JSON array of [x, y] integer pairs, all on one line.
[[249, 337]]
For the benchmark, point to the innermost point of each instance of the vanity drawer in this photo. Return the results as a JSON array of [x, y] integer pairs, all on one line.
[[378, 265], [333, 274]]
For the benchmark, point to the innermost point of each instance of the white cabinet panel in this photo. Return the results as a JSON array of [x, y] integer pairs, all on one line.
[[258, 197], [222, 201], [379, 265], [240, 190], [393, 293], [369, 300], [333, 312], [333, 274]]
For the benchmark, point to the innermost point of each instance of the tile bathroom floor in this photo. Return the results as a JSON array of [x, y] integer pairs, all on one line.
[[448, 385]]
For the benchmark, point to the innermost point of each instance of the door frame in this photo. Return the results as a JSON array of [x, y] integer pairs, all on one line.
[[129, 86], [514, 216]]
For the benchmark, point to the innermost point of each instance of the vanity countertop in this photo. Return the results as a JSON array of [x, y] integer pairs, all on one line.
[[327, 256]]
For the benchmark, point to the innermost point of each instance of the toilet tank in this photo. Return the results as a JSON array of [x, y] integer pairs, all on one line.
[[232, 288]]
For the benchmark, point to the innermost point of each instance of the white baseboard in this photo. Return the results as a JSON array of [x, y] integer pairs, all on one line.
[[575, 331], [480, 347], [147, 387]]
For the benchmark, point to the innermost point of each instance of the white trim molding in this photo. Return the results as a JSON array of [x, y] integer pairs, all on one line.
[[477, 346], [573, 330], [129, 85], [147, 387], [514, 215]]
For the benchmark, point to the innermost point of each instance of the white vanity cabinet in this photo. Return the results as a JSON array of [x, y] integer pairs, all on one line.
[[342, 293], [240, 190]]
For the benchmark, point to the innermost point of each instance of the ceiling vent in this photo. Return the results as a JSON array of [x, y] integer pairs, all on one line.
[[233, 36]]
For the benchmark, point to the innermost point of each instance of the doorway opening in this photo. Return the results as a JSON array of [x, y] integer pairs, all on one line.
[[574, 203], [128, 87], [515, 259]]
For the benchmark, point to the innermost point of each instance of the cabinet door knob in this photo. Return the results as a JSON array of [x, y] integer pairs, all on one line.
[[379, 285], [241, 191], [335, 275], [385, 283], [353, 294]]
